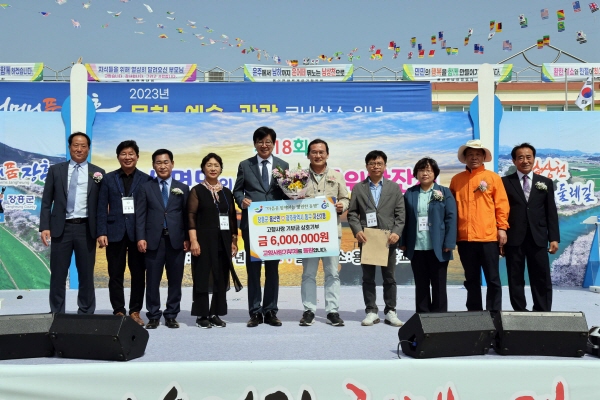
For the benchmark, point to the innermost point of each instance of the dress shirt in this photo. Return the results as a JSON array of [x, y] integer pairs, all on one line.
[[529, 175], [81, 209], [127, 181], [270, 164], [376, 190]]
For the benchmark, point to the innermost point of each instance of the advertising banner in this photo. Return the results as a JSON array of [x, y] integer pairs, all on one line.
[[293, 228], [141, 72], [453, 72], [300, 73], [304, 98], [21, 71], [570, 71]]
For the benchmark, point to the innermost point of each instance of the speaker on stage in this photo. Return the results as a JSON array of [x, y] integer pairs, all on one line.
[[98, 337], [525, 333], [25, 336], [447, 334]]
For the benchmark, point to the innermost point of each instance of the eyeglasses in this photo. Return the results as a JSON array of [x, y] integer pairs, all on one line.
[[375, 164], [267, 143]]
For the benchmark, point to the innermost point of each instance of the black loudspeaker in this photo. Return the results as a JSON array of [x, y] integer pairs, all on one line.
[[25, 336], [447, 334], [98, 337], [562, 334]]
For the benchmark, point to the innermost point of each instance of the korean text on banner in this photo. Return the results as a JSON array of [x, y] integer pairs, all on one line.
[[569, 71], [453, 72], [301, 73], [293, 229], [21, 71], [141, 72]]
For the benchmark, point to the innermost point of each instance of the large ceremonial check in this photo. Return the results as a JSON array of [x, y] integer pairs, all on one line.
[[293, 229]]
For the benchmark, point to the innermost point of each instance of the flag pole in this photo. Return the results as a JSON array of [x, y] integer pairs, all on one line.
[[592, 89], [566, 92]]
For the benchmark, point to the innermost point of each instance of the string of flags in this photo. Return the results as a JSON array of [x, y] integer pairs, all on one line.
[[376, 53]]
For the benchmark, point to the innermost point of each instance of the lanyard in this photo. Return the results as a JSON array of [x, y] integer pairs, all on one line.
[[122, 190]]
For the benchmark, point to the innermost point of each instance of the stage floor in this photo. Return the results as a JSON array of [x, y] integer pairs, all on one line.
[[321, 341]]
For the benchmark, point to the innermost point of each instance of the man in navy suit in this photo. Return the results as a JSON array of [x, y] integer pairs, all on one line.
[[116, 230], [533, 221], [255, 183], [162, 235], [68, 216]]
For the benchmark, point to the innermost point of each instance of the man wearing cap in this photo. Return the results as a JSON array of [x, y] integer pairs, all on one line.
[[533, 231], [483, 208]]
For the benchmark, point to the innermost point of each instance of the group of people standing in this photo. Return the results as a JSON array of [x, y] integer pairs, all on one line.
[[150, 223]]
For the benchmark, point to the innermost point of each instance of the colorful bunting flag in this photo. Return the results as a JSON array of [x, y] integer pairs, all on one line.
[[75, 23], [561, 26], [440, 34], [410, 55], [560, 15], [431, 53], [448, 50], [466, 40], [546, 40], [498, 26], [594, 7], [420, 47], [492, 24], [433, 40], [581, 37], [544, 13], [455, 51], [523, 21], [413, 42], [576, 7], [481, 49], [507, 45], [540, 43], [443, 44], [421, 53], [476, 48]]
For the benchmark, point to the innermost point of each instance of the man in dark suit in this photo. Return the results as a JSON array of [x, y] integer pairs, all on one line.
[[255, 183], [68, 216], [116, 230], [161, 220], [378, 203], [533, 221]]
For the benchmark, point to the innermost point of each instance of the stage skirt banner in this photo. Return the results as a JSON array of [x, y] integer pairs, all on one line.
[[569, 71], [303, 98], [293, 228], [31, 142], [453, 72], [300, 73], [141, 72], [405, 379], [21, 71]]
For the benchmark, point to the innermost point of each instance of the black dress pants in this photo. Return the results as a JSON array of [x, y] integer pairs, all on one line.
[[117, 255], [474, 257], [428, 272]]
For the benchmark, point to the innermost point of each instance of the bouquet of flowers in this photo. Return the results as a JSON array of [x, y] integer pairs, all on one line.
[[292, 181]]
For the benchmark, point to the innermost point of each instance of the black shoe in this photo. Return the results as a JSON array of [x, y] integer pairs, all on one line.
[[271, 319], [308, 318], [255, 320], [203, 322], [171, 323], [217, 322], [153, 324], [334, 319]]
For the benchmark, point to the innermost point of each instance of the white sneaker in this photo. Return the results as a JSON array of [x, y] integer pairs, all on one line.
[[370, 319], [392, 319]]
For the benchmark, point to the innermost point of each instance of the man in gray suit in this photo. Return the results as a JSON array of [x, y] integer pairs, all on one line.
[[255, 183], [378, 203], [161, 232], [116, 230], [68, 216]]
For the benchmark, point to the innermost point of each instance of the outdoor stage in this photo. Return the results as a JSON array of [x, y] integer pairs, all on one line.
[[316, 362]]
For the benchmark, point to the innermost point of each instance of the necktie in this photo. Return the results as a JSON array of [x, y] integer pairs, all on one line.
[[72, 189], [165, 192], [526, 187], [165, 196], [265, 174]]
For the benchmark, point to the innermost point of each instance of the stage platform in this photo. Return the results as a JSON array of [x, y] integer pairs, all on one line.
[[316, 362]]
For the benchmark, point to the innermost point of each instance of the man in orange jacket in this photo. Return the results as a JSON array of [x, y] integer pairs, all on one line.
[[482, 206]]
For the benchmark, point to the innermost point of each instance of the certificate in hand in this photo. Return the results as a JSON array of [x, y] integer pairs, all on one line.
[[375, 251]]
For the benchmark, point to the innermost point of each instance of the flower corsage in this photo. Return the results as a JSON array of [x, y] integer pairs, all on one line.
[[177, 191], [437, 195], [331, 179], [482, 186], [97, 177], [541, 186]]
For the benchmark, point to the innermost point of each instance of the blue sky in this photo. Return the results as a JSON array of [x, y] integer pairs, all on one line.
[[289, 29]]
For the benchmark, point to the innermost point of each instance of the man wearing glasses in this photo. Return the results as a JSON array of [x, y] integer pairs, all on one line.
[[324, 182], [378, 203], [255, 183]]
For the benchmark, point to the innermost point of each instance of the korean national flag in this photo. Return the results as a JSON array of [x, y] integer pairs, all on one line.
[[585, 95]]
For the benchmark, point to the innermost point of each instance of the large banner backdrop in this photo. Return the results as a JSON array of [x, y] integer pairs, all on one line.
[[30, 142]]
